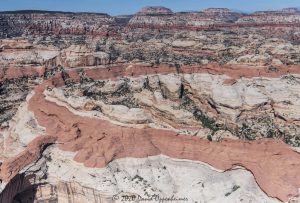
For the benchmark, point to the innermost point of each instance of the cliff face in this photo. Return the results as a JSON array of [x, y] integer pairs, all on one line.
[[288, 16], [97, 108], [35, 23], [54, 23]]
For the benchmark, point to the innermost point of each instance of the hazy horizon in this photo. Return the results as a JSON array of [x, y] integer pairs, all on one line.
[[123, 7]]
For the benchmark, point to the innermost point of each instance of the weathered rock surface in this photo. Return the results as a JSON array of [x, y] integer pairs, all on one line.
[[76, 134], [95, 107], [148, 178]]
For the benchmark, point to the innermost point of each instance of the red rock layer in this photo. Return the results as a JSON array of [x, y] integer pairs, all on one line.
[[275, 166], [18, 72], [233, 71], [97, 73], [213, 27]]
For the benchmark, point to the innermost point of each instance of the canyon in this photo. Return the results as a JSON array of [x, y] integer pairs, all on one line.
[[199, 106]]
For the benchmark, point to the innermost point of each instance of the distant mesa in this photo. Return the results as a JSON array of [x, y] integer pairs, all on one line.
[[50, 12], [279, 12], [217, 10], [291, 10], [155, 10]]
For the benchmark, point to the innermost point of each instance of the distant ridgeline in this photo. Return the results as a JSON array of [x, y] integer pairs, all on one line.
[[38, 22]]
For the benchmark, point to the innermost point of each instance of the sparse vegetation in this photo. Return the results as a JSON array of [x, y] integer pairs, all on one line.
[[188, 104], [209, 137], [48, 158], [234, 188], [137, 177]]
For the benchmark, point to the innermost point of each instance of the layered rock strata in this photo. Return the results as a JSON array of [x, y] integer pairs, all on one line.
[[95, 107], [76, 133]]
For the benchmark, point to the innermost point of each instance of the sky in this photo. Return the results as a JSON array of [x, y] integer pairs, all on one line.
[[119, 7]]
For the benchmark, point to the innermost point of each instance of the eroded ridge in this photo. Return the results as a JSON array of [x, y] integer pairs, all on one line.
[[98, 142]]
